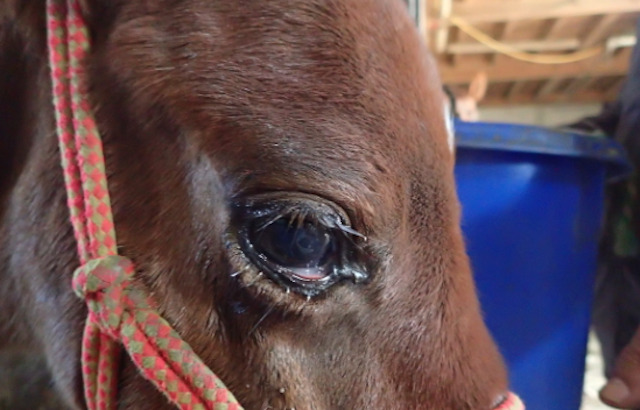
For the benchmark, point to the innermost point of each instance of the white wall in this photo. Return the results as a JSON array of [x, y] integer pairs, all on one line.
[[548, 115]]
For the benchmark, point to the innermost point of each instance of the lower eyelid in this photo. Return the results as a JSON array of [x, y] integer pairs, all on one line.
[[266, 209]]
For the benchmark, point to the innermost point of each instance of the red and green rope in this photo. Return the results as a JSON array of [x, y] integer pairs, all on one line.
[[120, 312]]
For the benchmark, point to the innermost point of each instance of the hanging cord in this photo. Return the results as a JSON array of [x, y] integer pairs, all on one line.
[[120, 313], [517, 54]]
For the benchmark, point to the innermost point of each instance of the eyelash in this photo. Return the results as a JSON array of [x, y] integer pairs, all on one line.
[[347, 265]]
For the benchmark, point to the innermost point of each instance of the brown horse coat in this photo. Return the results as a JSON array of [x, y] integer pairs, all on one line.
[[208, 107]]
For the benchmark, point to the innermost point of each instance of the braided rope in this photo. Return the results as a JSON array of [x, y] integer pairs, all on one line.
[[120, 313]]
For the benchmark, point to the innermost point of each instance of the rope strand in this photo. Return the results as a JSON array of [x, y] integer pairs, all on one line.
[[546, 59], [120, 313]]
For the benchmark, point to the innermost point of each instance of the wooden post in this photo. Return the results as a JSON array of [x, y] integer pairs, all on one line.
[[423, 21], [442, 36]]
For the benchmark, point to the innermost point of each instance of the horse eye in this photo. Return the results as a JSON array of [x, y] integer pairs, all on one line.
[[302, 242], [306, 251]]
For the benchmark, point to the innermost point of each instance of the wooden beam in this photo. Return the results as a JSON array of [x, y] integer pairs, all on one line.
[[581, 97], [454, 37], [597, 33], [549, 87], [513, 70], [557, 27], [509, 28], [503, 30], [518, 10], [548, 28], [515, 90], [530, 46], [576, 85], [423, 20], [442, 35]]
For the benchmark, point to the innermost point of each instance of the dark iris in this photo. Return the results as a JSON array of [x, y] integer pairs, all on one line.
[[304, 244], [304, 248]]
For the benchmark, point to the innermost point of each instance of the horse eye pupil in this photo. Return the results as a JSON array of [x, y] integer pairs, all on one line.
[[293, 245], [310, 243]]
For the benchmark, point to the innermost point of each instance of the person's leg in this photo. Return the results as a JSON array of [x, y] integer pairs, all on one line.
[[617, 308], [616, 313]]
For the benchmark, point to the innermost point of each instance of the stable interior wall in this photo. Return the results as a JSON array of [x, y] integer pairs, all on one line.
[[548, 115]]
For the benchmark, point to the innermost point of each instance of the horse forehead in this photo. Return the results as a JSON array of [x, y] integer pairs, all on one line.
[[346, 78], [274, 38], [277, 52]]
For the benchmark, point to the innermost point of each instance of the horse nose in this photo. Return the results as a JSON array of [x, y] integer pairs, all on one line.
[[507, 401]]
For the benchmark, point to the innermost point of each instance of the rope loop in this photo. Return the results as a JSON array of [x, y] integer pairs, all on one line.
[[106, 286]]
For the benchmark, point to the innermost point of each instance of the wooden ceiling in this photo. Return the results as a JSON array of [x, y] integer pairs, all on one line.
[[550, 27]]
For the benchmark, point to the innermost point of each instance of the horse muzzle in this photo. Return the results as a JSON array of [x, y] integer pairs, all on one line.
[[508, 402]]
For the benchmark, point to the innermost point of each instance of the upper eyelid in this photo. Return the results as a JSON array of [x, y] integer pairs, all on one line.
[[303, 207], [339, 222]]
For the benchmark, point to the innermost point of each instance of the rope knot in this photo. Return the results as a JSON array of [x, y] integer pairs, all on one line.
[[105, 284]]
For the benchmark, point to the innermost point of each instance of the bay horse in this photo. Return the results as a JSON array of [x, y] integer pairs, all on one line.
[[280, 175]]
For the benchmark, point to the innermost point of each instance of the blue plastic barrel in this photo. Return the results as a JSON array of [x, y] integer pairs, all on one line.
[[532, 204]]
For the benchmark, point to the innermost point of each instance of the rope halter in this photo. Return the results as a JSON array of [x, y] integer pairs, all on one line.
[[120, 312]]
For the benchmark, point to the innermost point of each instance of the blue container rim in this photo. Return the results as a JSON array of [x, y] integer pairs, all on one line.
[[538, 140]]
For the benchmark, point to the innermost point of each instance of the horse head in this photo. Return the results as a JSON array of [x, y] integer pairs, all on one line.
[[280, 175]]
